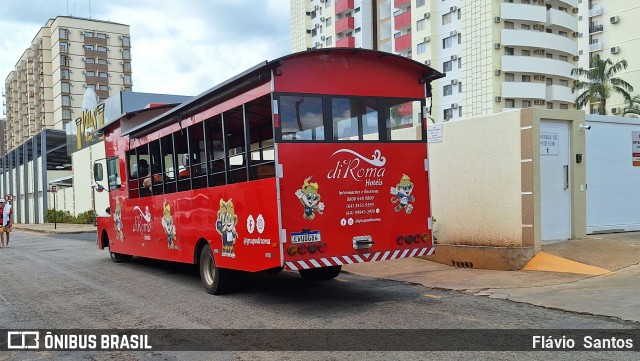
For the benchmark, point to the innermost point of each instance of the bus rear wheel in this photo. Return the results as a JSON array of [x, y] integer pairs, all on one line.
[[320, 274], [216, 281], [119, 257]]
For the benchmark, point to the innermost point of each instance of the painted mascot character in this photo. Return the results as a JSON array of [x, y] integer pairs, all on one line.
[[310, 199], [117, 220], [402, 195], [226, 226], [169, 227]]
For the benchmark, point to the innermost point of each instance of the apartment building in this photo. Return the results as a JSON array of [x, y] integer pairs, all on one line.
[[497, 54], [606, 29], [66, 56]]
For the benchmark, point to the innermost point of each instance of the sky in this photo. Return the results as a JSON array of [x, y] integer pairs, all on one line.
[[179, 47]]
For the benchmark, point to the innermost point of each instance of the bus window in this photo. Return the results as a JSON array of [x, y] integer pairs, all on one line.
[[261, 138], [166, 144], [301, 118], [354, 119], [181, 146], [403, 121], [215, 157], [113, 172], [157, 173], [234, 127], [138, 163]]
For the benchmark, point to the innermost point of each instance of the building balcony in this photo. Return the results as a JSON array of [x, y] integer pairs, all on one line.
[[526, 12], [560, 93], [595, 47], [343, 5], [403, 42], [595, 11], [402, 20], [596, 28], [562, 18], [572, 3], [345, 24], [401, 4], [536, 65], [524, 90], [346, 42], [539, 39]]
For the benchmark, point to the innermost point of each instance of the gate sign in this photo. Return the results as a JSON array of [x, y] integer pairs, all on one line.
[[549, 144], [635, 148], [54, 188]]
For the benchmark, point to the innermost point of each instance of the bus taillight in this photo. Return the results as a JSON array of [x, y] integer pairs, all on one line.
[[302, 249], [322, 247], [400, 240], [292, 250], [313, 248]]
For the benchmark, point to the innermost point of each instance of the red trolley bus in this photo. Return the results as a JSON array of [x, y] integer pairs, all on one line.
[[306, 163]]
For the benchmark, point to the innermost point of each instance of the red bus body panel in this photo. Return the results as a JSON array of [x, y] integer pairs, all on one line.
[[357, 185]]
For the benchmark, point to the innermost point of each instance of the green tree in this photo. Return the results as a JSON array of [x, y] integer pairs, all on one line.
[[632, 109], [600, 83]]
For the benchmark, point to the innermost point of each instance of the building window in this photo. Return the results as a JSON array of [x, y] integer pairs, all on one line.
[[549, 81], [64, 74], [66, 100], [508, 25], [357, 30], [549, 55], [66, 113], [90, 60], [127, 80], [89, 47], [526, 78], [549, 105], [64, 47], [88, 34], [447, 42], [102, 49], [562, 9], [564, 106], [329, 21], [459, 63], [509, 103], [460, 112], [420, 3], [126, 54], [329, 42], [447, 90], [460, 87], [102, 61], [508, 50], [563, 82], [448, 114], [101, 35], [525, 27], [459, 38], [65, 87], [509, 77], [327, 3], [562, 33], [103, 74], [104, 87], [447, 66], [420, 24], [459, 14], [127, 66], [422, 48], [525, 52], [64, 60], [526, 103], [64, 33], [563, 58], [126, 41], [90, 73], [446, 19], [91, 86]]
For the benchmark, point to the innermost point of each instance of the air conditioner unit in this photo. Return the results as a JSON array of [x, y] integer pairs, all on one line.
[[576, 34], [322, 18], [538, 102], [120, 37], [454, 81], [454, 106], [317, 7], [427, 62], [454, 57], [614, 19], [538, 27], [496, 19], [106, 36], [427, 39], [453, 8], [321, 37], [496, 46], [575, 10], [538, 77], [427, 15], [317, 25], [84, 85], [83, 59], [453, 33], [498, 72], [615, 50], [498, 99], [108, 61], [576, 58], [539, 51], [615, 110]]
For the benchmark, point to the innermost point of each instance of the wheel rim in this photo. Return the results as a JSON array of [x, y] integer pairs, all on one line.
[[208, 269]]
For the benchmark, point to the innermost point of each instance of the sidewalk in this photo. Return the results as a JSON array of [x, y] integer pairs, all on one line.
[[59, 228], [599, 274]]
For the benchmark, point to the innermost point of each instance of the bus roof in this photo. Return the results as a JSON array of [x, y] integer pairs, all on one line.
[[260, 74]]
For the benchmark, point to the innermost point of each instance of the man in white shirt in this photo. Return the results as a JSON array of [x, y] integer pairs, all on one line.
[[6, 215]]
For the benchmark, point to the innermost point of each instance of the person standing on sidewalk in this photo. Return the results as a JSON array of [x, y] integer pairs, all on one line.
[[5, 214]]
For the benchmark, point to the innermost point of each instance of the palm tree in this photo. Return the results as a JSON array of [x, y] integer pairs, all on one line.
[[633, 107], [600, 82]]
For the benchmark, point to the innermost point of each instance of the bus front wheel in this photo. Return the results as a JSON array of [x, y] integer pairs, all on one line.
[[216, 281], [320, 274]]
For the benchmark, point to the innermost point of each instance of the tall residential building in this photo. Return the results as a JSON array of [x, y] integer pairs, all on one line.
[[67, 55], [607, 30], [496, 54]]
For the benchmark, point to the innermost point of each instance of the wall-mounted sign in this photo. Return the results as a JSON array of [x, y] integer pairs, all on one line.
[[434, 133], [549, 144], [635, 148]]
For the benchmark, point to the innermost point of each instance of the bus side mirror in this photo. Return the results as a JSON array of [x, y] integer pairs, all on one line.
[[98, 172]]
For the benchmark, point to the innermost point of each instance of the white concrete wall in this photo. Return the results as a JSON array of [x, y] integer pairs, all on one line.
[[475, 175]]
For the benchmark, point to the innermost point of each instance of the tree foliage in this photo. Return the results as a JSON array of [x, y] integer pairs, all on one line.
[[600, 82], [632, 109]]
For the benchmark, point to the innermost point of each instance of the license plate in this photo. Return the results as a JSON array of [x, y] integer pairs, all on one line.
[[305, 237]]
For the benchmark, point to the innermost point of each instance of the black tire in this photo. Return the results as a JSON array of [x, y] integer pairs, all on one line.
[[216, 281], [320, 274], [119, 257]]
